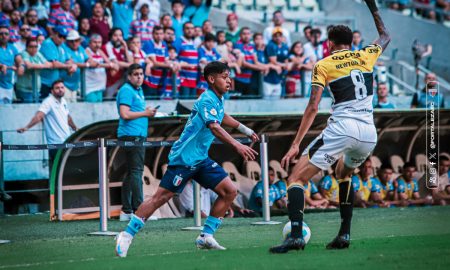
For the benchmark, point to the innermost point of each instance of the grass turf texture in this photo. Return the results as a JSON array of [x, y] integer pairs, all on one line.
[[409, 238]]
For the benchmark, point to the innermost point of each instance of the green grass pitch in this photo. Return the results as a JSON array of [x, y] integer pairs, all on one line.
[[409, 238]]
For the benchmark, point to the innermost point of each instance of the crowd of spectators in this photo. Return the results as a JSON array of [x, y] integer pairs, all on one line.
[[436, 10], [89, 44]]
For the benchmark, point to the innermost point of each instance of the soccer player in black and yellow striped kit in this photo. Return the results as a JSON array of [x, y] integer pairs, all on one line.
[[350, 135]]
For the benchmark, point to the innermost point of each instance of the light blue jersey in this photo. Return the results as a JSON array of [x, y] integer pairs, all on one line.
[[194, 142]]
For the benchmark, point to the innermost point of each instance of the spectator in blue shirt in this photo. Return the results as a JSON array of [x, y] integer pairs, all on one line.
[[357, 41], [277, 53], [122, 14], [79, 57], [198, 12], [10, 61], [277, 194], [53, 51], [382, 100], [178, 19], [133, 126]]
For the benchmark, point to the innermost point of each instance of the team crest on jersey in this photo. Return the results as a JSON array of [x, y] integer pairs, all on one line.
[[213, 112], [177, 180]]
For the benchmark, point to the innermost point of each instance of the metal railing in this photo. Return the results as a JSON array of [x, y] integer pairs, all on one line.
[[103, 185]]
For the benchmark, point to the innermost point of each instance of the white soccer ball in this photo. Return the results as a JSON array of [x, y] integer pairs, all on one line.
[[306, 231]]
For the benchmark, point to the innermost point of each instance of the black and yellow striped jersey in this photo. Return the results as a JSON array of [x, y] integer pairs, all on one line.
[[349, 76]]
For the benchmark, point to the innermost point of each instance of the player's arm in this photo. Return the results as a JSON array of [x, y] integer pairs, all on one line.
[[229, 121], [308, 117], [384, 38], [37, 118], [246, 152]]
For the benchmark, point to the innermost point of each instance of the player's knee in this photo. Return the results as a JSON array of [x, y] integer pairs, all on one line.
[[297, 179]]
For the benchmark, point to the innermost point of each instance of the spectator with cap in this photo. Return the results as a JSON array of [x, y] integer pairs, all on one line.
[[278, 21], [233, 31], [98, 23], [357, 41], [54, 112], [198, 12], [153, 5], [11, 62], [34, 61], [14, 26], [78, 55], [133, 126], [250, 64], [61, 17], [25, 34], [143, 27], [277, 53], [382, 98], [188, 53], [32, 20], [96, 77], [53, 51], [117, 51], [122, 14], [420, 97]]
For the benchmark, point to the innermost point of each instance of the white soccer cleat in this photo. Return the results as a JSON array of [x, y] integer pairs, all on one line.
[[207, 242], [123, 242]]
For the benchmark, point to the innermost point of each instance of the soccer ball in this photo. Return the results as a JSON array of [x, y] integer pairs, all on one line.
[[306, 231]]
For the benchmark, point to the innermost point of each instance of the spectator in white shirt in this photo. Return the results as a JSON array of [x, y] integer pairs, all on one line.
[[278, 21], [55, 114]]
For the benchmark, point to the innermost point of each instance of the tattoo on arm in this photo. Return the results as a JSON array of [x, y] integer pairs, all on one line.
[[316, 93], [384, 37]]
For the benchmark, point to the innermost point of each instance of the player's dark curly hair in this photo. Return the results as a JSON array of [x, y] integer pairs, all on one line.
[[340, 35], [215, 67]]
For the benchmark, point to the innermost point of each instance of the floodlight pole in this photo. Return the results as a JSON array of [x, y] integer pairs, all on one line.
[[264, 153], [197, 209], [103, 191]]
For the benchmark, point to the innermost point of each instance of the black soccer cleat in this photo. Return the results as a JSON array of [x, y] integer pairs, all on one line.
[[339, 242], [289, 243]]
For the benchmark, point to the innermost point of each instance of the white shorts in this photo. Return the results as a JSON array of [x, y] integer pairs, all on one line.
[[350, 138], [271, 91]]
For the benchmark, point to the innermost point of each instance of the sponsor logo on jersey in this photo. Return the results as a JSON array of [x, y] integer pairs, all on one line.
[[177, 180], [347, 55], [213, 111]]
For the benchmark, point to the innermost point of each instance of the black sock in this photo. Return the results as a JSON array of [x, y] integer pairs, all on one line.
[[296, 204], [346, 198]]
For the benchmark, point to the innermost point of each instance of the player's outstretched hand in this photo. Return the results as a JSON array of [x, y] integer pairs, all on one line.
[[246, 152], [290, 155]]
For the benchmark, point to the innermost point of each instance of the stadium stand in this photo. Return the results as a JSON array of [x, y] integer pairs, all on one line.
[[397, 163], [253, 170]]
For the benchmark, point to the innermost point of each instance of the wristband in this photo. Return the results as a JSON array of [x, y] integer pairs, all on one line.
[[245, 130]]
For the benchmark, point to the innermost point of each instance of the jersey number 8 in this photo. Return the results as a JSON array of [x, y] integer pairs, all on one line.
[[360, 86]]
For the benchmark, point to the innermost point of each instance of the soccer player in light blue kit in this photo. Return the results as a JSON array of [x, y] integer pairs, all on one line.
[[189, 159]]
